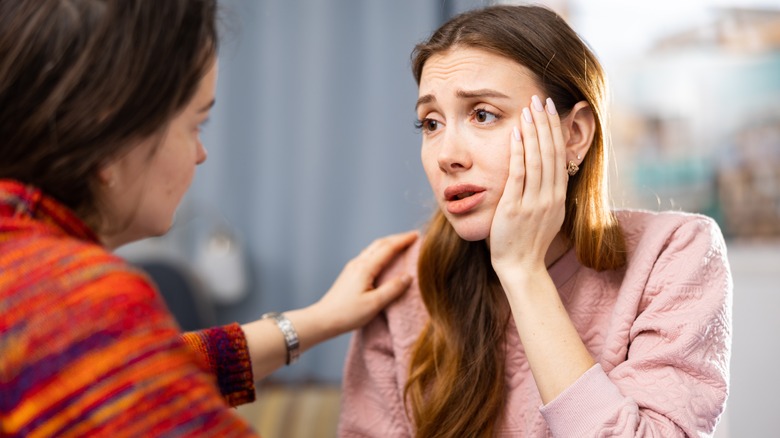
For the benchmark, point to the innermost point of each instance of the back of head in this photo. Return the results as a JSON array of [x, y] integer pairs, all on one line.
[[82, 80]]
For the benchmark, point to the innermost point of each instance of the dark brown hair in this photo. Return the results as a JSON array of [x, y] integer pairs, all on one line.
[[456, 380], [82, 80]]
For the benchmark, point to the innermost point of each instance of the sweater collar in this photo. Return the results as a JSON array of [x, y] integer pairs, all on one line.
[[564, 268], [21, 203]]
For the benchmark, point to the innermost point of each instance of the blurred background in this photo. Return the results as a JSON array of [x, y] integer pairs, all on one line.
[[313, 154]]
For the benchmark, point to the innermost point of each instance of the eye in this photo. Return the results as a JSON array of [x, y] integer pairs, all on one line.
[[483, 116], [427, 125]]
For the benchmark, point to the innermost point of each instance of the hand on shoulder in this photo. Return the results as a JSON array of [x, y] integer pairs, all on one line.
[[354, 299]]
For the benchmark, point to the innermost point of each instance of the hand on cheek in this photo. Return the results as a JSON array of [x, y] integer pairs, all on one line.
[[532, 207]]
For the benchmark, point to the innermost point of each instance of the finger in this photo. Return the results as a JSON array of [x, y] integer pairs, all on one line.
[[388, 292], [533, 161], [546, 148], [513, 189], [560, 147], [377, 255]]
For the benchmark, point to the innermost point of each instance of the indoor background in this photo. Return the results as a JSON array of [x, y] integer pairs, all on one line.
[[313, 154]]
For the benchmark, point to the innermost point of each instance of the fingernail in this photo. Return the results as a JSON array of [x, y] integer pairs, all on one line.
[[516, 133], [551, 107], [527, 115], [536, 103]]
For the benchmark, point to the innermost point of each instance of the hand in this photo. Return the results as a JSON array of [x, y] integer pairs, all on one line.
[[353, 300], [527, 220], [532, 207], [350, 303]]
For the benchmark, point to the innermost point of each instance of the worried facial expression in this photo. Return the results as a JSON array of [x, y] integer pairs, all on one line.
[[469, 101]]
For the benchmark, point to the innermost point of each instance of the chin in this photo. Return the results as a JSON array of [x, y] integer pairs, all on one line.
[[157, 230], [471, 232], [471, 228]]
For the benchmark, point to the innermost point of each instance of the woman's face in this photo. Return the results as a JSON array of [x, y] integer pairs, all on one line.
[[469, 101], [147, 184]]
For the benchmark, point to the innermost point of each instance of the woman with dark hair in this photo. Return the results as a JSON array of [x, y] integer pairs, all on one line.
[[101, 103], [537, 310]]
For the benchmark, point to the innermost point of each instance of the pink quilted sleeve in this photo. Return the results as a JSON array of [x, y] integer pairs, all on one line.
[[674, 381]]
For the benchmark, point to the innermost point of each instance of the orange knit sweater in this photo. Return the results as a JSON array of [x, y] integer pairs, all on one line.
[[87, 346]]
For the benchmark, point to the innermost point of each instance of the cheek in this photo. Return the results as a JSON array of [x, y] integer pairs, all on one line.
[[496, 164], [430, 164], [495, 156]]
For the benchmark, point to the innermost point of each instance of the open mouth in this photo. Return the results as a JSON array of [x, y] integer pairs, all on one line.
[[460, 196], [463, 198]]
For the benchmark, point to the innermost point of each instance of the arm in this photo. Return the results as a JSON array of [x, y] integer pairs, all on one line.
[[526, 223], [238, 356], [222, 351], [674, 381], [127, 371], [351, 302], [527, 220]]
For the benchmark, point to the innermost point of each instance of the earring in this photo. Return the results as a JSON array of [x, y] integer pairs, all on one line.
[[572, 168]]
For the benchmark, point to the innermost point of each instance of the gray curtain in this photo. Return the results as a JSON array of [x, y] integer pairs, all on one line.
[[312, 148]]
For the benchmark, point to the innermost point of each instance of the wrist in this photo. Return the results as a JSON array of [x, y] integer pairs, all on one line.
[[520, 281], [291, 339], [325, 320], [520, 273]]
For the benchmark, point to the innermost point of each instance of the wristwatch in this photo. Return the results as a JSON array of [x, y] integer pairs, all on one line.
[[290, 335]]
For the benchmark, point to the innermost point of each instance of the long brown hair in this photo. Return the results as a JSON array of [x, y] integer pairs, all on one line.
[[83, 80], [456, 378]]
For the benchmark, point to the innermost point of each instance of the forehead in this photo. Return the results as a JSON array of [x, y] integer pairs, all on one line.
[[471, 68], [204, 95]]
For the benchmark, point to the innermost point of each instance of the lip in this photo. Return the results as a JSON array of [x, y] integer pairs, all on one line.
[[461, 206]]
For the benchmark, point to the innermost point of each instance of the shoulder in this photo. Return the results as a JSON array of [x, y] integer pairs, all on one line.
[[72, 270], [658, 231], [682, 253], [405, 264], [404, 318]]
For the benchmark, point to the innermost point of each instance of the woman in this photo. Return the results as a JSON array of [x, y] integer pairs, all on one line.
[[536, 309], [101, 103]]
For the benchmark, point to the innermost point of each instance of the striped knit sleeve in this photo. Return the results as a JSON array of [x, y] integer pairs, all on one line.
[[223, 352], [105, 359]]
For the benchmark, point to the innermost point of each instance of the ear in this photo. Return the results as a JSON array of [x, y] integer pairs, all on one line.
[[580, 127], [106, 174]]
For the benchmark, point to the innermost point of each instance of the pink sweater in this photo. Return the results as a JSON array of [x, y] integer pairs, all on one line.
[[659, 330]]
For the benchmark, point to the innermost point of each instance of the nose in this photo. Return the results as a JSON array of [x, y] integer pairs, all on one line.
[[201, 154], [454, 154]]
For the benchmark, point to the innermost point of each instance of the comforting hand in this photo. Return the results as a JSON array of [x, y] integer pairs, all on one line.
[[353, 300], [531, 210], [350, 303]]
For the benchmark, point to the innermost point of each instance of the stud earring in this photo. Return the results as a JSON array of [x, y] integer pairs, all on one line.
[[572, 168]]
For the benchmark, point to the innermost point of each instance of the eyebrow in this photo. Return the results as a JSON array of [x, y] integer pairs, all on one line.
[[208, 106], [464, 94]]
